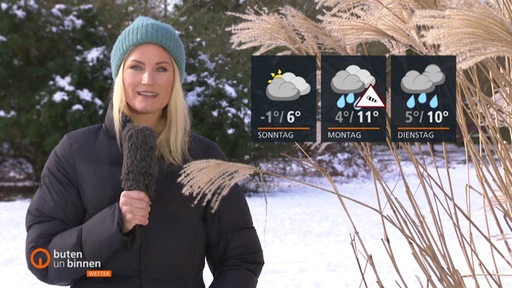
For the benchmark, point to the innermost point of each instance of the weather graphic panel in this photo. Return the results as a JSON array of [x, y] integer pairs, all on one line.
[[423, 100], [283, 98], [353, 98]]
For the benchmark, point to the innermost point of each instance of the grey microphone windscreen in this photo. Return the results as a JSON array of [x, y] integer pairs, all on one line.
[[140, 167]]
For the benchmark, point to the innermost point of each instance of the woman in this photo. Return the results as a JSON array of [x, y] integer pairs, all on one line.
[[83, 220]]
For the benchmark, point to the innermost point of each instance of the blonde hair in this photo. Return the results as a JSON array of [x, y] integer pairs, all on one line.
[[173, 127]]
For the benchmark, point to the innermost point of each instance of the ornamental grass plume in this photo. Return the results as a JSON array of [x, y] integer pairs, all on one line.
[[473, 30], [211, 179]]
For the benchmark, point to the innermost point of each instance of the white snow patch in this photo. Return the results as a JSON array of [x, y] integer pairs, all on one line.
[[223, 103], [64, 82], [86, 6], [3, 38], [190, 78], [94, 54], [231, 111], [230, 91], [84, 95], [59, 97], [192, 96], [31, 3], [7, 115], [245, 113], [77, 107], [18, 12], [57, 8], [4, 6], [71, 22], [14, 271], [98, 102], [210, 65]]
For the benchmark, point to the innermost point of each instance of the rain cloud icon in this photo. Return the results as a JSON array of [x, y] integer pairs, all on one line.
[[286, 87], [415, 83], [426, 82], [350, 81]]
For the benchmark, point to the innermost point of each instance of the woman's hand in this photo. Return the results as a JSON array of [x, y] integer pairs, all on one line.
[[135, 206]]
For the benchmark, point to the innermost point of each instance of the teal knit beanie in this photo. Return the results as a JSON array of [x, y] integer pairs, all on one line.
[[147, 30]]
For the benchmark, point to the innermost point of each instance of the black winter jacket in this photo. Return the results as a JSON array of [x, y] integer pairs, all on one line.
[[76, 211]]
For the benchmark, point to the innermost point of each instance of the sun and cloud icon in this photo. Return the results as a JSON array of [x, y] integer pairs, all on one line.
[[415, 83], [286, 87]]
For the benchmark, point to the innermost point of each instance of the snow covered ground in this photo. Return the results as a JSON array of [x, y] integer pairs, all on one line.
[[305, 234]]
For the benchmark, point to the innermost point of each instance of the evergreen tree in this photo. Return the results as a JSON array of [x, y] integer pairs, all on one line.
[[218, 79], [55, 72]]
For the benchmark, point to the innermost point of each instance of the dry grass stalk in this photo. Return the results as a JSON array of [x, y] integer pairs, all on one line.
[[473, 32], [385, 21], [211, 179], [288, 29]]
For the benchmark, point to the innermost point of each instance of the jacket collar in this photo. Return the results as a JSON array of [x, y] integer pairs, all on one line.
[[109, 121]]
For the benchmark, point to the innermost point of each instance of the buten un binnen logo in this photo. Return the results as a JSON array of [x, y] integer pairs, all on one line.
[[39, 264]]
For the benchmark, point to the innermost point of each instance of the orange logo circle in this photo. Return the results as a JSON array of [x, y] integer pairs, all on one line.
[[40, 264]]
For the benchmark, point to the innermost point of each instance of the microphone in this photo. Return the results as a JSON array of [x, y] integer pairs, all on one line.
[[140, 166]]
